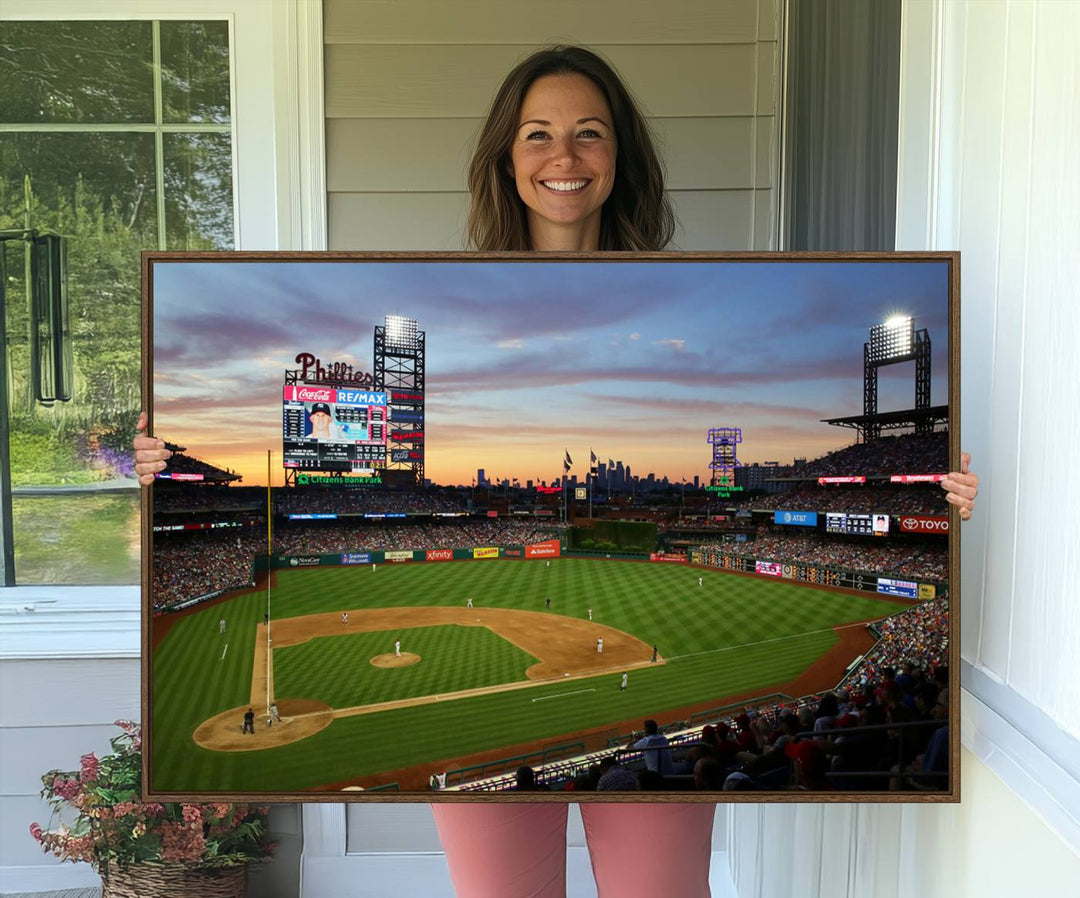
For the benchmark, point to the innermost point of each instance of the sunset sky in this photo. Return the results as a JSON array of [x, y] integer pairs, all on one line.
[[635, 360]]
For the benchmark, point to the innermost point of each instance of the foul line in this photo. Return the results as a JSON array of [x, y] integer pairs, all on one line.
[[222, 658], [563, 695], [747, 645]]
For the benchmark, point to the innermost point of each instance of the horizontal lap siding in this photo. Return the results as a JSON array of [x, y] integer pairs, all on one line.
[[408, 83]]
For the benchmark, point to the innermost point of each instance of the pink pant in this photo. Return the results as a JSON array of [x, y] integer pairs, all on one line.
[[519, 850]]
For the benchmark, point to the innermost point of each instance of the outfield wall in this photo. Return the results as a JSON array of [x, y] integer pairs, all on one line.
[[826, 575], [548, 549]]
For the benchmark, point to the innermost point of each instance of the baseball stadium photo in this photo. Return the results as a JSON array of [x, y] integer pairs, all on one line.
[[443, 524]]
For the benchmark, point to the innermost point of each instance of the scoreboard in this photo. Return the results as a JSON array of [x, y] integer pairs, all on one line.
[[857, 524], [333, 428]]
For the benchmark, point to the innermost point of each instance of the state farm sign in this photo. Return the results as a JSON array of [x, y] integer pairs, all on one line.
[[920, 523]]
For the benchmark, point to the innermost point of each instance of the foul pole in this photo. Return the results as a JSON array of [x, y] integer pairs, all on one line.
[[269, 543]]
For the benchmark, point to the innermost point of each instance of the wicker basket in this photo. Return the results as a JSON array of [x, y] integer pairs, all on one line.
[[174, 881]]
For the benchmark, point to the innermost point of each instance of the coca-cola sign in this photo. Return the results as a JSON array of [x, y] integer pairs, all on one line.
[[315, 394], [921, 523]]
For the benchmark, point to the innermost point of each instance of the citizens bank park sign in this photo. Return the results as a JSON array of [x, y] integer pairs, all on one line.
[[920, 523]]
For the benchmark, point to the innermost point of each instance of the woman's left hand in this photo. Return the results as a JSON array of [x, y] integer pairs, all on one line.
[[962, 487]]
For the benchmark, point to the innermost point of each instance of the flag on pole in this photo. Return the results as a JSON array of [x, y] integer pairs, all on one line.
[[567, 462], [593, 469]]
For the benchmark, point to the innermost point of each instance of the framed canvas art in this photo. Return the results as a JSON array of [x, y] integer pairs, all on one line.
[[486, 527]]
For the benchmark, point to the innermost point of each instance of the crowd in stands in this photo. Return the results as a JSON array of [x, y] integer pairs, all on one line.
[[907, 454], [902, 559], [189, 564], [889, 733], [296, 539], [359, 501], [928, 500], [920, 632]]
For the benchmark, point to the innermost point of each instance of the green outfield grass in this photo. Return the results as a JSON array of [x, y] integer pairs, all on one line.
[[732, 635]]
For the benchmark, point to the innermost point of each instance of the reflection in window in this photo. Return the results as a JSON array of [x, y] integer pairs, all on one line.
[[117, 136]]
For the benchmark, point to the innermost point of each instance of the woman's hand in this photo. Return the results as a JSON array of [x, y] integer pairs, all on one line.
[[150, 453], [962, 487]]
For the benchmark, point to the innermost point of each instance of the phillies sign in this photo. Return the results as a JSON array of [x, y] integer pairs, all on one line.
[[332, 372], [921, 523]]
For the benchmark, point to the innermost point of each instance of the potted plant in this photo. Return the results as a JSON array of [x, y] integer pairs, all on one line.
[[147, 848]]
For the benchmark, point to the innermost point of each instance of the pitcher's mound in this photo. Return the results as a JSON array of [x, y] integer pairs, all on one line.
[[392, 660]]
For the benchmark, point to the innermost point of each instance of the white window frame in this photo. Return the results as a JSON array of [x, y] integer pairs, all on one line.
[[279, 204]]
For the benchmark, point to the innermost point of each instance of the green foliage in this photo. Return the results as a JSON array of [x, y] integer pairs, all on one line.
[[112, 827]]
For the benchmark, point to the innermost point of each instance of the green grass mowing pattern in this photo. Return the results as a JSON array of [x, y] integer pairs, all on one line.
[[337, 670], [655, 602]]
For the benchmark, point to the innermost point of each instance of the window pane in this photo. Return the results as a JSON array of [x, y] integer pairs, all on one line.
[[76, 72], [98, 191], [195, 72], [198, 192], [79, 540]]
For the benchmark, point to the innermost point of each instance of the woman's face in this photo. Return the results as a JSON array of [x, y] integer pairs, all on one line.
[[563, 160]]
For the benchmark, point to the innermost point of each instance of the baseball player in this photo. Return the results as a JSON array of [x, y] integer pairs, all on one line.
[[221, 626], [397, 648], [599, 645], [699, 579], [625, 682], [273, 715], [590, 614], [344, 617], [468, 604]]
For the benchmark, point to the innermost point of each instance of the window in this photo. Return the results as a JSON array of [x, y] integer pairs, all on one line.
[[118, 136]]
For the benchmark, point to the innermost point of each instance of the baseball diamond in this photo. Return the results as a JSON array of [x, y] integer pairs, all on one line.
[[468, 680]]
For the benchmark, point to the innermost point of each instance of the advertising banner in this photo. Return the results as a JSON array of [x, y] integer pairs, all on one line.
[[922, 523], [771, 568], [903, 588], [543, 550], [824, 480], [798, 518], [927, 591], [398, 556], [440, 554], [356, 558], [397, 455], [486, 552], [313, 517], [305, 560], [916, 478], [400, 414], [512, 553]]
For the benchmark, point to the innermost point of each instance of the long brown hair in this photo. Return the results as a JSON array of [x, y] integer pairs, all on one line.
[[637, 214]]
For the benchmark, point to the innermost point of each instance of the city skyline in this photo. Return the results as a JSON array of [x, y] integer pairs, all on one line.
[[528, 360]]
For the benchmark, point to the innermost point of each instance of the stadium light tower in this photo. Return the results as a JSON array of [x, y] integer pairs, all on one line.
[[890, 343], [398, 369], [723, 464]]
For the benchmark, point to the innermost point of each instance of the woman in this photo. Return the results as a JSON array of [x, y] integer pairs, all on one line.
[[564, 163]]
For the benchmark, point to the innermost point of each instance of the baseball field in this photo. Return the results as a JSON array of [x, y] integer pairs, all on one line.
[[508, 672]]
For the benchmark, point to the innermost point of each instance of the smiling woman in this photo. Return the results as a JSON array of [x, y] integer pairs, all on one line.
[[562, 117]]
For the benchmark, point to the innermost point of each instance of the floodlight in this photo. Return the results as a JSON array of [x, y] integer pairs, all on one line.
[[893, 339], [400, 332]]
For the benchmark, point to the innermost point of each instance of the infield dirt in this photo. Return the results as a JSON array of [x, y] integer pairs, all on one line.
[[564, 646]]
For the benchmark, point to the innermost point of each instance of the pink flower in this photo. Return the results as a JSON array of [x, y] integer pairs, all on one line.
[[36, 832], [65, 788], [89, 768], [191, 813]]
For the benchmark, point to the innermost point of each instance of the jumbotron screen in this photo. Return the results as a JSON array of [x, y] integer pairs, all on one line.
[[857, 524], [333, 428]]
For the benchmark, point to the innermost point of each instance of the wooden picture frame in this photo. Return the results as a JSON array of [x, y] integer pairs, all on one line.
[[713, 599]]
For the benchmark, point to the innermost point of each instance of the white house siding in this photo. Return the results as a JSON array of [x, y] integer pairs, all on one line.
[[408, 83]]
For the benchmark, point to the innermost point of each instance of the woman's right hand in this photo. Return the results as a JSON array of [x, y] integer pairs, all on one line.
[[150, 453]]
